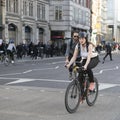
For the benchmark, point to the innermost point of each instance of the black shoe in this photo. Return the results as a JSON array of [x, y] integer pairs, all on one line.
[[103, 62]]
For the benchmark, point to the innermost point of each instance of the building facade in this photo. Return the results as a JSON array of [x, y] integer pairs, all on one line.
[[113, 20], [99, 17], [67, 16], [2, 9], [26, 21], [44, 20]]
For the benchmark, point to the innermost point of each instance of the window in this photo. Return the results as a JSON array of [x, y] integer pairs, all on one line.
[[80, 16], [58, 12], [15, 6], [12, 6], [7, 5], [88, 3], [31, 8], [87, 19], [24, 8], [41, 11]]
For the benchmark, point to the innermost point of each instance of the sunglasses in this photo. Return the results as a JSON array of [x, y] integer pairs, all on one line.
[[75, 36]]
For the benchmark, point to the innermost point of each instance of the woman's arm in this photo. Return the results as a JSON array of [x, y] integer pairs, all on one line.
[[74, 57], [90, 48]]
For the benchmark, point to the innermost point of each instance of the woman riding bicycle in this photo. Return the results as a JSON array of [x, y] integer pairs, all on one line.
[[85, 49], [11, 49]]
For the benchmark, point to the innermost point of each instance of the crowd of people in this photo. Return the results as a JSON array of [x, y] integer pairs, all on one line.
[[39, 50], [44, 50], [32, 50]]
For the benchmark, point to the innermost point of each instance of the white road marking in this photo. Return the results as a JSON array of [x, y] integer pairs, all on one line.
[[30, 71], [46, 68], [10, 74], [102, 86], [101, 71], [20, 81], [27, 71]]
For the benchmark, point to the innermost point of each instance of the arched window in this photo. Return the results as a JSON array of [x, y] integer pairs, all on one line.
[[12, 32], [41, 31], [27, 34]]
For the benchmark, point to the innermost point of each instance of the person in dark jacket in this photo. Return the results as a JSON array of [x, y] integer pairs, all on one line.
[[2, 47], [108, 50], [70, 50]]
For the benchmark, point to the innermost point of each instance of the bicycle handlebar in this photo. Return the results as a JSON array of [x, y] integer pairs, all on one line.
[[76, 68]]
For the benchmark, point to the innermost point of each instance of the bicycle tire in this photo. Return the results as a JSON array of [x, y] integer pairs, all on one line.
[[91, 96], [73, 90]]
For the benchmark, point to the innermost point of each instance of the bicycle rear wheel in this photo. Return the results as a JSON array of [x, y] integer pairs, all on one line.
[[92, 95], [72, 97]]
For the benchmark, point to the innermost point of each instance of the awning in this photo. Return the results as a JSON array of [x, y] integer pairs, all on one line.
[[58, 37]]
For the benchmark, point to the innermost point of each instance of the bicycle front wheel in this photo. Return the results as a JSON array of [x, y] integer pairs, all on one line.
[[92, 95], [72, 97]]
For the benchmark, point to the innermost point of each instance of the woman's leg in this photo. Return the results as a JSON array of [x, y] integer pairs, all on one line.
[[91, 79], [90, 75]]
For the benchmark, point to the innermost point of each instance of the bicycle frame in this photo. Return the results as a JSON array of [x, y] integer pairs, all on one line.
[[84, 83]]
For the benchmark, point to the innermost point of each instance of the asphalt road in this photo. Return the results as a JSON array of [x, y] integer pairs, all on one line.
[[34, 90]]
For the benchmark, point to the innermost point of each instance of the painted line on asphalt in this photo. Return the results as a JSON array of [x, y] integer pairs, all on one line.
[[47, 68], [102, 86], [110, 69], [20, 81], [28, 71], [10, 74]]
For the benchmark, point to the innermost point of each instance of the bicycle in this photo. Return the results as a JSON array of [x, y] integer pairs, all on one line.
[[77, 92], [3, 58], [8, 59]]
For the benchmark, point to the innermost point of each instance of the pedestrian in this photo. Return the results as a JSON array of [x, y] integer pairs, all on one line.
[[70, 50], [2, 47], [108, 51]]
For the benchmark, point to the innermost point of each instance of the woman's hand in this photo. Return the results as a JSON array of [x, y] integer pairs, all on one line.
[[66, 62], [67, 66], [85, 67]]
